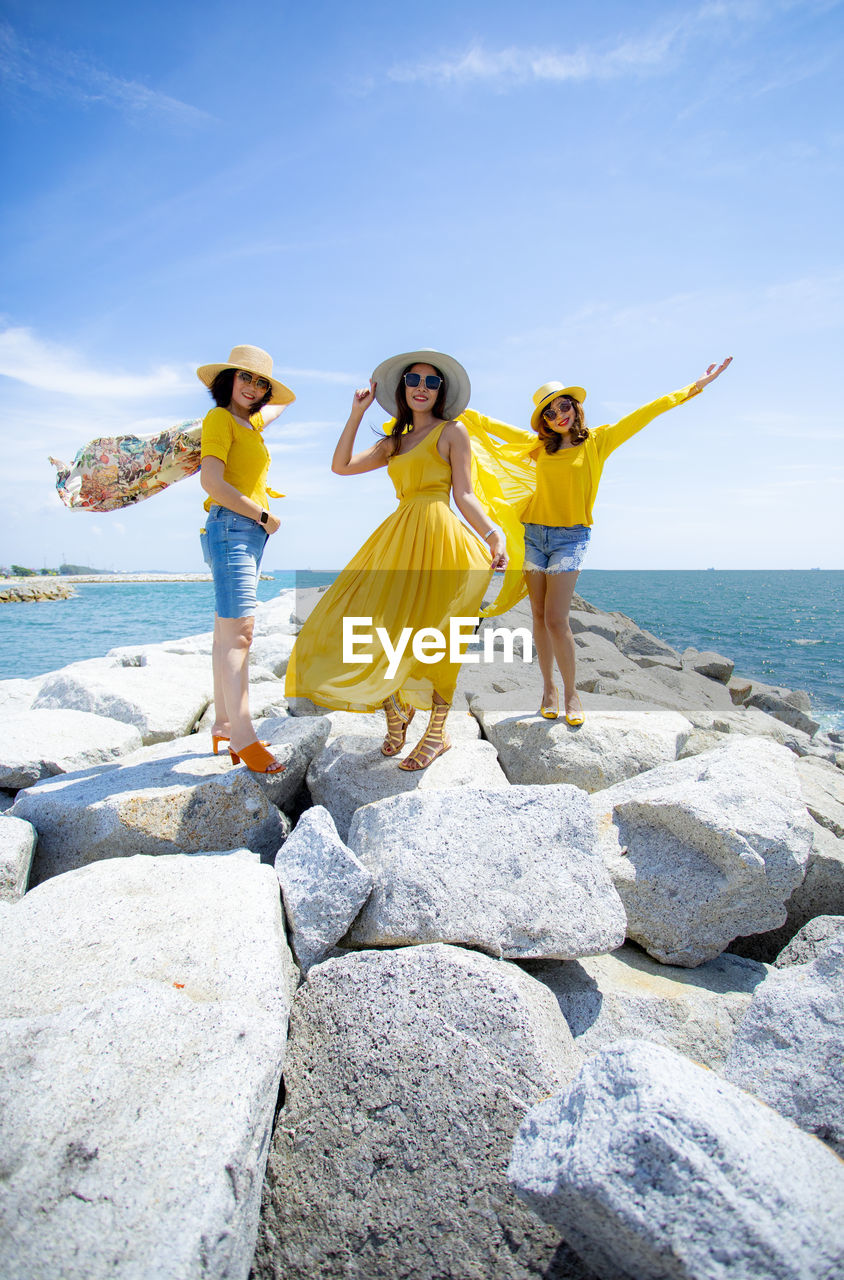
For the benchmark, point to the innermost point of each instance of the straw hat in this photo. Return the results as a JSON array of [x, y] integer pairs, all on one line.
[[457, 385], [252, 360], [548, 392]]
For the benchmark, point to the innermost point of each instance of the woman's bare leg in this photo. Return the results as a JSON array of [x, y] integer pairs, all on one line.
[[230, 660], [559, 589], [541, 639]]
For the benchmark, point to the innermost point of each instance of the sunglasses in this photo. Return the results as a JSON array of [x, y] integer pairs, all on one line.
[[261, 384], [432, 380], [559, 409]]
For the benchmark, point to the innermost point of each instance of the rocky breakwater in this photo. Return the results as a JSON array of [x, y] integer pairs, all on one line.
[[357, 996], [29, 590]]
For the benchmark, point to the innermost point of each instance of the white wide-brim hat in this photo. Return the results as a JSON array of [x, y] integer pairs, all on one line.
[[548, 392], [253, 360], [457, 385]]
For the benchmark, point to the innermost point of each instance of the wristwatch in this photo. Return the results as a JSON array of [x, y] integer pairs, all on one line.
[[265, 515]]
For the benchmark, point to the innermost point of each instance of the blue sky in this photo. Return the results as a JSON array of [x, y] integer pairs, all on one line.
[[610, 194]]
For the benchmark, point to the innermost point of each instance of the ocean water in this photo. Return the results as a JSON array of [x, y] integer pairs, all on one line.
[[784, 627]]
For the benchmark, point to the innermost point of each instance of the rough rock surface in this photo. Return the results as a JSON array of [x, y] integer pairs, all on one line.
[[781, 708], [713, 665], [388, 1158], [515, 872], [142, 1055], [609, 747], [707, 849], [17, 847], [822, 785], [627, 994], [170, 798], [323, 885], [810, 941], [352, 772], [653, 1168], [821, 893], [40, 744], [163, 699], [788, 1050]]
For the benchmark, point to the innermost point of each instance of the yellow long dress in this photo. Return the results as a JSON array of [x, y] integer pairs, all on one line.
[[420, 568]]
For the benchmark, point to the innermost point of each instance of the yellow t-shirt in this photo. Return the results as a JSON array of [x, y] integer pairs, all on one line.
[[242, 450], [567, 481]]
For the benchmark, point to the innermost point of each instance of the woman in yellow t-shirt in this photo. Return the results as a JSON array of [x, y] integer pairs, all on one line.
[[558, 517], [235, 463]]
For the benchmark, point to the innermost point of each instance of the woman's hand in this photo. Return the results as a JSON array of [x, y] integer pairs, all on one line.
[[362, 399], [273, 523], [712, 373], [498, 550]]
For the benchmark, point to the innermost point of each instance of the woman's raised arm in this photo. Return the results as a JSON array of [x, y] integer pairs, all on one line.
[[346, 463]]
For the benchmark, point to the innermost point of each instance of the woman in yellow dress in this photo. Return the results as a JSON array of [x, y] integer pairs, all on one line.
[[418, 570]]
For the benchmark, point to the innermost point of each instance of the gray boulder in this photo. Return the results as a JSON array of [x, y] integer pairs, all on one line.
[[170, 798], [609, 747], [636, 643], [407, 1072], [707, 849], [782, 708], [163, 697], [810, 941], [322, 883], [143, 1015], [821, 893], [515, 872], [17, 848], [822, 785], [788, 1050], [627, 994], [352, 772], [653, 1168], [710, 664], [41, 744]]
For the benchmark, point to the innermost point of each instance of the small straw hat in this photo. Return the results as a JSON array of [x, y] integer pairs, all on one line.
[[457, 386], [548, 392], [253, 360]]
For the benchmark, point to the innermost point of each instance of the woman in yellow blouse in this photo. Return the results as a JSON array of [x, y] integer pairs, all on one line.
[[558, 517], [235, 463]]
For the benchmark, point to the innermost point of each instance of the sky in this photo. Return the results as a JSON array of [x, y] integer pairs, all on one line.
[[608, 194]]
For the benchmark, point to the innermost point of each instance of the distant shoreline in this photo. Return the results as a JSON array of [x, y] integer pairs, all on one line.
[[69, 579]]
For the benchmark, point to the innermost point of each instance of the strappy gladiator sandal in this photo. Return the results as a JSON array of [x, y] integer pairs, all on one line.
[[433, 742], [399, 715]]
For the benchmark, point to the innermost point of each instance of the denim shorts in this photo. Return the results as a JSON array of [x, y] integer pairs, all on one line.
[[232, 546], [555, 548]]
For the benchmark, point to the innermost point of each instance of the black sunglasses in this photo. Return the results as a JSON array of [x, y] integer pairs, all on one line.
[[432, 380]]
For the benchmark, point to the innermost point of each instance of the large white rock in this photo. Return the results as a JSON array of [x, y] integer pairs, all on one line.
[[407, 1073], [822, 785], [627, 994], [516, 872], [18, 695], [164, 698], [40, 744], [789, 1050], [352, 772], [609, 747], [17, 848], [707, 849], [322, 883], [654, 1169], [170, 798], [810, 941], [144, 1005]]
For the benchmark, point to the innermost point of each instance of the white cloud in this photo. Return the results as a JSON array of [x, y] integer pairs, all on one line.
[[63, 73], [51, 367]]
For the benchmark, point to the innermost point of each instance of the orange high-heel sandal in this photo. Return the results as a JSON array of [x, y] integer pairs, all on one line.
[[433, 742], [257, 758], [397, 725], [217, 738]]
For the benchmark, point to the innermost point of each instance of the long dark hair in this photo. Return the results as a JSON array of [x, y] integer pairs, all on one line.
[[404, 413], [578, 430], [223, 386]]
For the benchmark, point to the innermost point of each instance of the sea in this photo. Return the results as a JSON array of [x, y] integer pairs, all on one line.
[[785, 627]]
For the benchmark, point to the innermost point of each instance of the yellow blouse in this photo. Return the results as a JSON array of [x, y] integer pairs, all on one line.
[[567, 481], [242, 450]]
